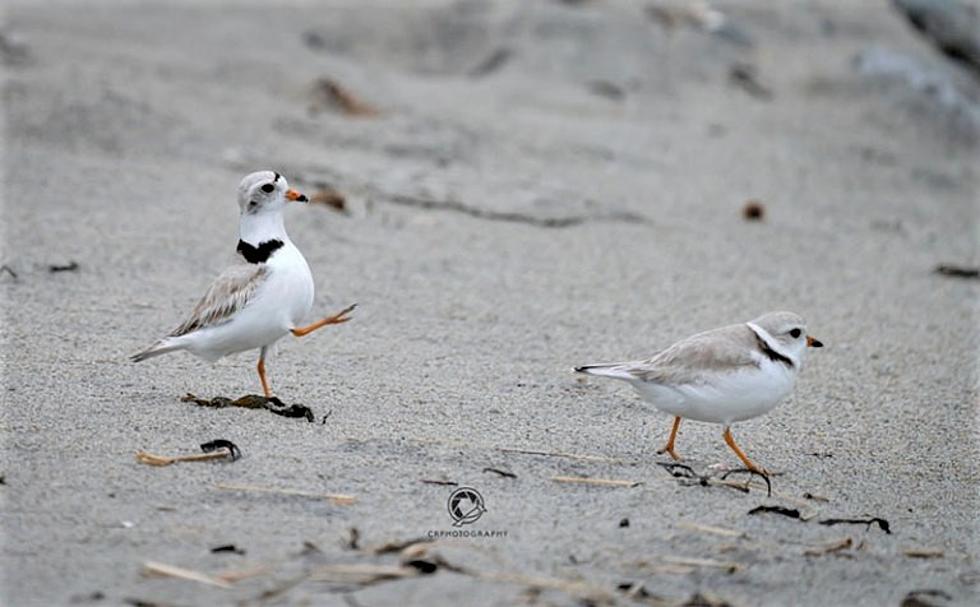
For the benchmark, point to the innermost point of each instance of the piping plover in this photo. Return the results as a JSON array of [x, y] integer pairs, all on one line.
[[255, 303], [721, 376]]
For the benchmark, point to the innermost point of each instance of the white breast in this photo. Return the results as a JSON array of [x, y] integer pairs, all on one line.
[[724, 398]]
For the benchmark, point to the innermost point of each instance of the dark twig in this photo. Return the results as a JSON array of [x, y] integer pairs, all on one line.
[[749, 471], [502, 473], [882, 523], [790, 512], [220, 443]]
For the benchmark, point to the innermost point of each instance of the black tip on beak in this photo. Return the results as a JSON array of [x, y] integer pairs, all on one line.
[[813, 342], [302, 198]]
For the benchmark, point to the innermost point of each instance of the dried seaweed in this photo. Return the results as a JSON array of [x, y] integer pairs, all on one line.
[[503, 473], [750, 472], [882, 523], [917, 598], [253, 401], [68, 267], [220, 443], [790, 512], [227, 548], [957, 271], [218, 449], [428, 481]]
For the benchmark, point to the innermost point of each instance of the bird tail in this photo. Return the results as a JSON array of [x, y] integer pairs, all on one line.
[[161, 347], [614, 370]]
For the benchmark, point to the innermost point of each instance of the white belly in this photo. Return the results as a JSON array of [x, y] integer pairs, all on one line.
[[281, 303], [727, 398]]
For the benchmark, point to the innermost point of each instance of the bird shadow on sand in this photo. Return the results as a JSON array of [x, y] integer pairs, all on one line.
[[253, 401]]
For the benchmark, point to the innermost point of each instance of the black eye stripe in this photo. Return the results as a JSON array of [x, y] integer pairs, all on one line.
[[268, 188]]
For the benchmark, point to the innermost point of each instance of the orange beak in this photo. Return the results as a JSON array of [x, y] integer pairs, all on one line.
[[296, 196], [813, 342]]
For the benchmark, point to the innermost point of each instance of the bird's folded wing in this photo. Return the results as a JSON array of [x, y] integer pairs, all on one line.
[[227, 295], [698, 358]]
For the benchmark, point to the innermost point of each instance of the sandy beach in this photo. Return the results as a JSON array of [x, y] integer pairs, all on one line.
[[525, 187]]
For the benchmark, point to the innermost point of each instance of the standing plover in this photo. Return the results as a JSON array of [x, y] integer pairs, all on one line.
[[721, 376], [255, 303]]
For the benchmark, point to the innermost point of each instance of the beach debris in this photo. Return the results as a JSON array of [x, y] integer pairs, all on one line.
[[821, 455], [14, 49], [829, 547], [637, 591], [882, 523], [162, 569], [924, 553], [699, 599], [218, 449], [135, 602], [789, 512], [955, 271], [335, 498], [924, 598], [253, 401], [711, 529], [503, 473], [754, 210], [236, 576], [603, 482], [817, 498], [328, 196], [398, 545], [439, 482], [588, 458], [220, 443], [91, 597], [327, 93], [765, 477], [363, 574], [745, 76], [8, 270], [353, 539], [71, 266], [323, 422], [727, 566], [227, 548], [624, 522], [604, 88], [953, 27], [493, 62], [689, 478]]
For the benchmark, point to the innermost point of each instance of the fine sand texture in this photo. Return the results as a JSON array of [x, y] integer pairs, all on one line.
[[506, 190]]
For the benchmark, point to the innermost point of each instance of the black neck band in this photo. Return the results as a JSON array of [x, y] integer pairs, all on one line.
[[261, 253], [772, 354]]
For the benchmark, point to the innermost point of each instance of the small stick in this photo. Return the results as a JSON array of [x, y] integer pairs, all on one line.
[[338, 499], [234, 576], [924, 553], [606, 482], [711, 529], [151, 567], [590, 458], [841, 544], [162, 460], [696, 562]]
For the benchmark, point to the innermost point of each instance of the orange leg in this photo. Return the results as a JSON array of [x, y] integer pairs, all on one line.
[[741, 454], [262, 378], [669, 447], [336, 319]]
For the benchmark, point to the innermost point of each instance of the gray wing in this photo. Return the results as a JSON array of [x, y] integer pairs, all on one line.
[[228, 294], [727, 349]]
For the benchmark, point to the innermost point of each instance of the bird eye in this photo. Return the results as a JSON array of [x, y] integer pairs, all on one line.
[[795, 333], [268, 188]]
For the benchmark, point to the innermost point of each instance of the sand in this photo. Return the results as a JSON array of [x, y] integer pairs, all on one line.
[[543, 185]]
